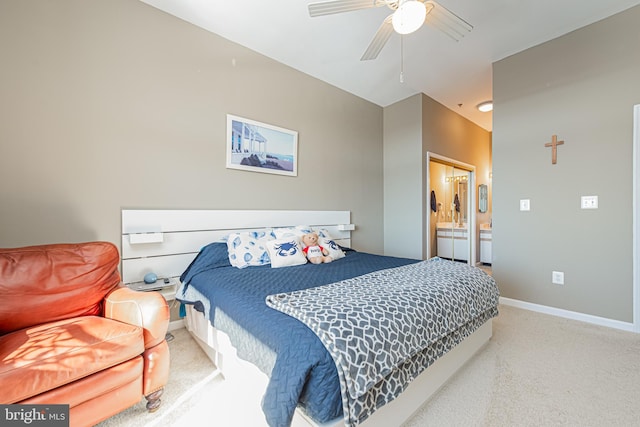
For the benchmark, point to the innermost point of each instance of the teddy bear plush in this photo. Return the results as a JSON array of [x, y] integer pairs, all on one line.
[[315, 253]]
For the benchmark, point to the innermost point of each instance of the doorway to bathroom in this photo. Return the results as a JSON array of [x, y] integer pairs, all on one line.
[[451, 219]]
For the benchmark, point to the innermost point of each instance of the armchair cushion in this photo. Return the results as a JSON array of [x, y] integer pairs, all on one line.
[[44, 357]]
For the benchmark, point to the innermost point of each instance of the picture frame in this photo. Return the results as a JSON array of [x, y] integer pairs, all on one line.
[[260, 147]]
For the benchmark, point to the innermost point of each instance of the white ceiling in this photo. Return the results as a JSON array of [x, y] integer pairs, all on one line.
[[456, 74]]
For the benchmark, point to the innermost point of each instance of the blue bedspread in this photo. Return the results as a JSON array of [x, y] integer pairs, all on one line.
[[304, 372]]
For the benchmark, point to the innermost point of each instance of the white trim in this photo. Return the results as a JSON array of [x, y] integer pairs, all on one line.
[[636, 218], [176, 324], [587, 318]]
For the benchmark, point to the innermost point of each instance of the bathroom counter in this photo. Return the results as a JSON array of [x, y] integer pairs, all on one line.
[[485, 243], [446, 225], [453, 242]]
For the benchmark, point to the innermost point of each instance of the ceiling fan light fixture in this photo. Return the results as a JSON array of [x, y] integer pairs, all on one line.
[[409, 16], [485, 107]]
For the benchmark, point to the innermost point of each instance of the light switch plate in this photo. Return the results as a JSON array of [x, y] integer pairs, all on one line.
[[557, 277], [525, 204], [589, 202]]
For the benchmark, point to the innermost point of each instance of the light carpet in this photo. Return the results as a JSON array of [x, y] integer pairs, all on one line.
[[537, 370]]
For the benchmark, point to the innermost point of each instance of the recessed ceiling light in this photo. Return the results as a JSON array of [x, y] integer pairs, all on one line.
[[485, 106]]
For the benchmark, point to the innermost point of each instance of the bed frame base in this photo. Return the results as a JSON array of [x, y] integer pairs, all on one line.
[[218, 348]]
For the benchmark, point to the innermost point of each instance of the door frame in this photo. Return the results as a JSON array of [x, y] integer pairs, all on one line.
[[471, 200], [636, 218]]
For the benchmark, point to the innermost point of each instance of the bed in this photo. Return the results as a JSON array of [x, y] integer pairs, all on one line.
[[304, 333]]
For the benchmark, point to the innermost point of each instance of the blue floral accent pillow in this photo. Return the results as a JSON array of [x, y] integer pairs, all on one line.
[[249, 248]]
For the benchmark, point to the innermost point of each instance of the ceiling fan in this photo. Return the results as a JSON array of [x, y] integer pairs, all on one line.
[[407, 17]]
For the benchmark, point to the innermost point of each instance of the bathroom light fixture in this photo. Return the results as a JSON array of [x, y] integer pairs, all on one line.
[[458, 178], [409, 16], [485, 107]]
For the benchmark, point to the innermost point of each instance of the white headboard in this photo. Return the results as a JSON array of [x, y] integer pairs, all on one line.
[[166, 241]]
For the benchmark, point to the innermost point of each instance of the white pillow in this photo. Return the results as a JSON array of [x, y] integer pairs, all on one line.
[[284, 232], [326, 241], [330, 245], [248, 248], [323, 233], [285, 252]]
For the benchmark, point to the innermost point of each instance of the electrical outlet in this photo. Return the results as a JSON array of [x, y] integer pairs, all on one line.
[[589, 202], [525, 204], [557, 277]]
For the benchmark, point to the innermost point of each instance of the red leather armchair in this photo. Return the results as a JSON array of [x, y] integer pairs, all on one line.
[[71, 333]]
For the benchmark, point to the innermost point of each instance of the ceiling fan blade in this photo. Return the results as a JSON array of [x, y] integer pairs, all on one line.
[[379, 40], [339, 6], [446, 21]]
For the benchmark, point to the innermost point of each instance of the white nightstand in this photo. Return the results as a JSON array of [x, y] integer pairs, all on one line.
[[169, 293], [167, 289]]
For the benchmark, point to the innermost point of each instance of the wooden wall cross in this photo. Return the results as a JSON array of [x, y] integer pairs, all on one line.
[[554, 148]]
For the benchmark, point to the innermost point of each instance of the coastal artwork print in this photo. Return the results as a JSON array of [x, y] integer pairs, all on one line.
[[259, 147]]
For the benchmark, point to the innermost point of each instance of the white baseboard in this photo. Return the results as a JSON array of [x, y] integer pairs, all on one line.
[[610, 323], [176, 324]]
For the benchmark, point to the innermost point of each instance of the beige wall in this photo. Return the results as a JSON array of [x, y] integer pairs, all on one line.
[[114, 104], [412, 128], [581, 87], [110, 105], [403, 190]]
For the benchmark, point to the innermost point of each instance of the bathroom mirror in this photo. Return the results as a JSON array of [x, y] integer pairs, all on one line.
[[483, 198]]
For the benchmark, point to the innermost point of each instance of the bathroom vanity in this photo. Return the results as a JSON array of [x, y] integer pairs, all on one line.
[[485, 243], [453, 241]]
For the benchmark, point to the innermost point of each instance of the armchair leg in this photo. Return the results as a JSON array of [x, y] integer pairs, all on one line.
[[153, 400]]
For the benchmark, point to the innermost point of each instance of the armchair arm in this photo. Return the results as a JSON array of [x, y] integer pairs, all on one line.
[[148, 310]]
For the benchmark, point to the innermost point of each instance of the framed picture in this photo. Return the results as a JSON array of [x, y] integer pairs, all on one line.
[[259, 147]]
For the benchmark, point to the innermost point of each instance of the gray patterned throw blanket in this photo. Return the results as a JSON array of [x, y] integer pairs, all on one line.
[[384, 328]]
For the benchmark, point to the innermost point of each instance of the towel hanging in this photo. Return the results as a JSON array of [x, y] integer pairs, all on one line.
[[456, 202], [434, 204]]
